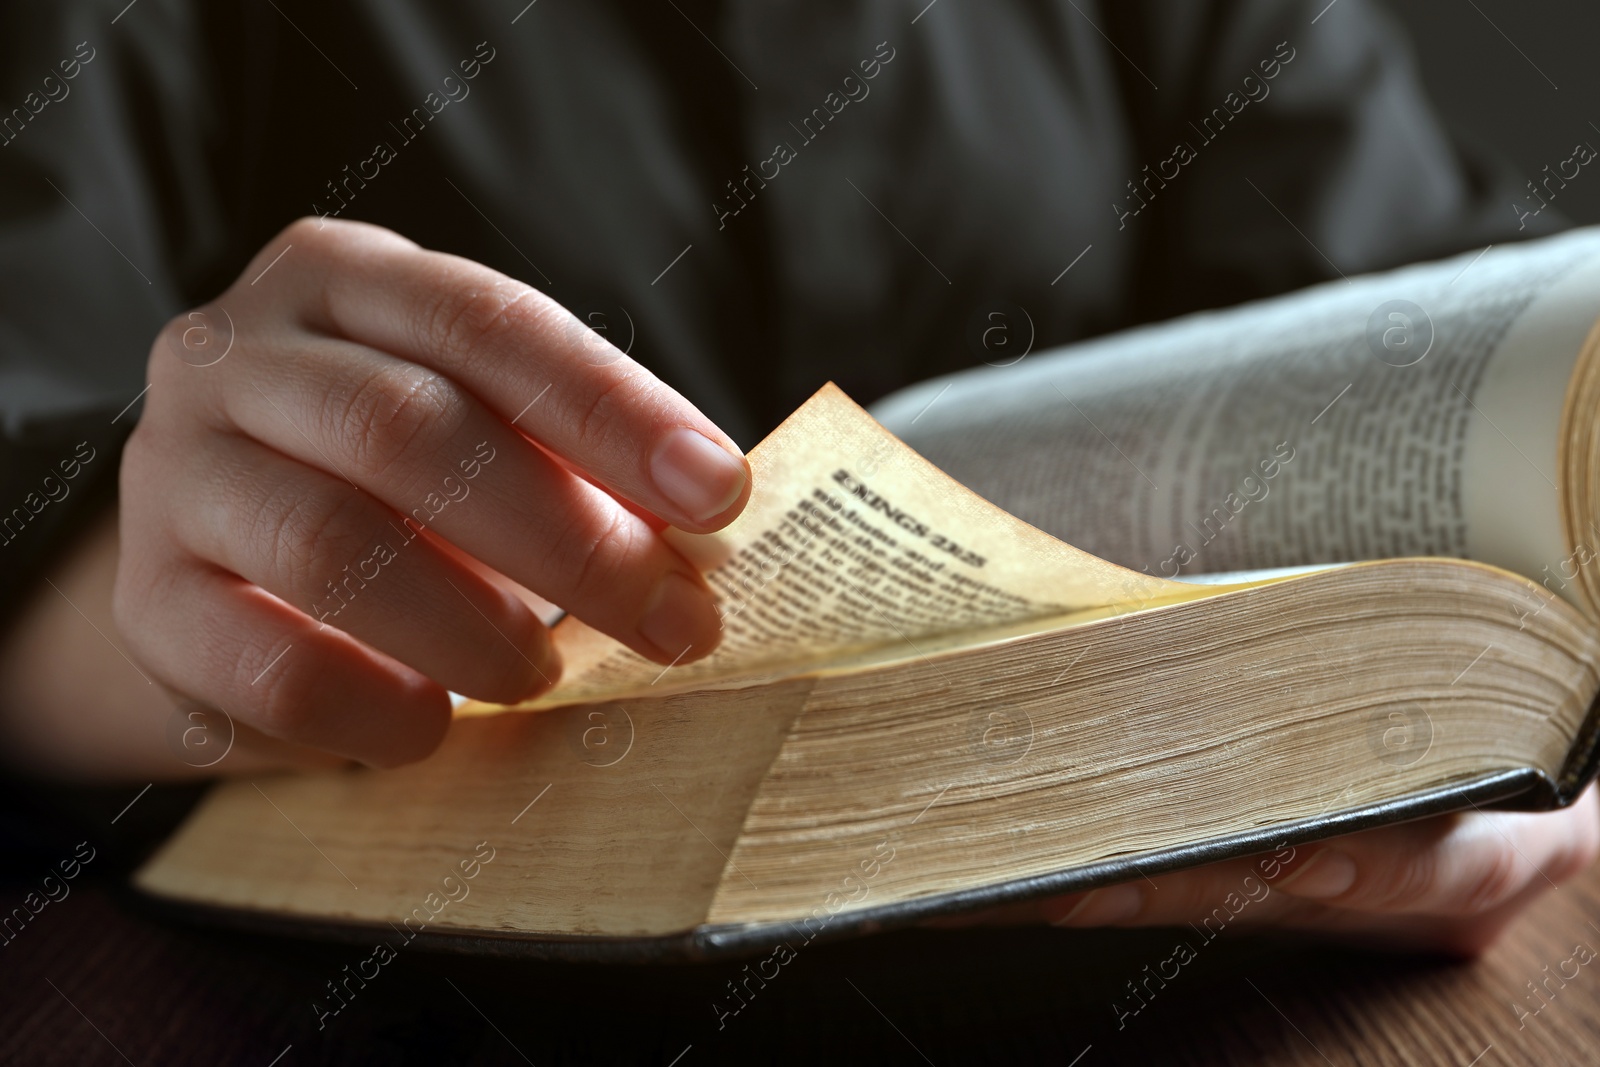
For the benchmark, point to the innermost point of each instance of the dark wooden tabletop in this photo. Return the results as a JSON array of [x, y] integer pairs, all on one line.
[[97, 979]]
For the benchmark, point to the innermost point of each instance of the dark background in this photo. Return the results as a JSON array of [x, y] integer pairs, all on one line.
[[1517, 77], [1482, 62]]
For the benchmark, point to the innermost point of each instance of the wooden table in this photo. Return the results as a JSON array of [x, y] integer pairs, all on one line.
[[95, 979]]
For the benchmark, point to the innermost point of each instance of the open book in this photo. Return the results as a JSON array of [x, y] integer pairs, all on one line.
[[922, 703]]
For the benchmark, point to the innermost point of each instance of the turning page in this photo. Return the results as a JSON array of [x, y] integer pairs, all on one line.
[[850, 542]]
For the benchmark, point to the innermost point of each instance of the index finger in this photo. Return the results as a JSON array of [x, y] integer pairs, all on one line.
[[533, 363]]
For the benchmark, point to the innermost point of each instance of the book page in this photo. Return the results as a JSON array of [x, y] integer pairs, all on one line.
[[852, 542], [1409, 413], [1512, 451]]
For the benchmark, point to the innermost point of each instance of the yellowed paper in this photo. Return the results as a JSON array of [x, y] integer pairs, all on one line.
[[853, 544]]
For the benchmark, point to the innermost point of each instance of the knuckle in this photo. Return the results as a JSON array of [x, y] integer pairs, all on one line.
[[285, 699], [308, 228], [461, 321], [314, 235], [396, 412], [255, 650], [328, 233], [602, 414], [603, 555], [318, 245], [1497, 878], [199, 337], [1399, 885], [169, 340], [310, 534], [171, 333]]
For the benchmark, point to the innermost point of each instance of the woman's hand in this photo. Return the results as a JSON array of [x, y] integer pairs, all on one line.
[[1447, 884], [350, 460]]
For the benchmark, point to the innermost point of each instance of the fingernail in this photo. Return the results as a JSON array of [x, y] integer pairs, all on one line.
[[680, 619], [1102, 907], [696, 474], [1327, 874]]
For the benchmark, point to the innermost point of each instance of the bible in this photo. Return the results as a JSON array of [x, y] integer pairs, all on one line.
[[1250, 578]]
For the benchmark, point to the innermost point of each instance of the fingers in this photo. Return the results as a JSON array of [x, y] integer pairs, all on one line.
[[1452, 866], [531, 362], [415, 441], [226, 644], [1214, 895], [346, 561], [1447, 883], [310, 495]]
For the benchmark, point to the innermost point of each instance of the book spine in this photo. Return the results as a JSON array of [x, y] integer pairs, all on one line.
[[1583, 762]]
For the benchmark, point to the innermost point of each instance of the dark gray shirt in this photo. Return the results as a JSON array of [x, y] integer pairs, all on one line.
[[753, 198]]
